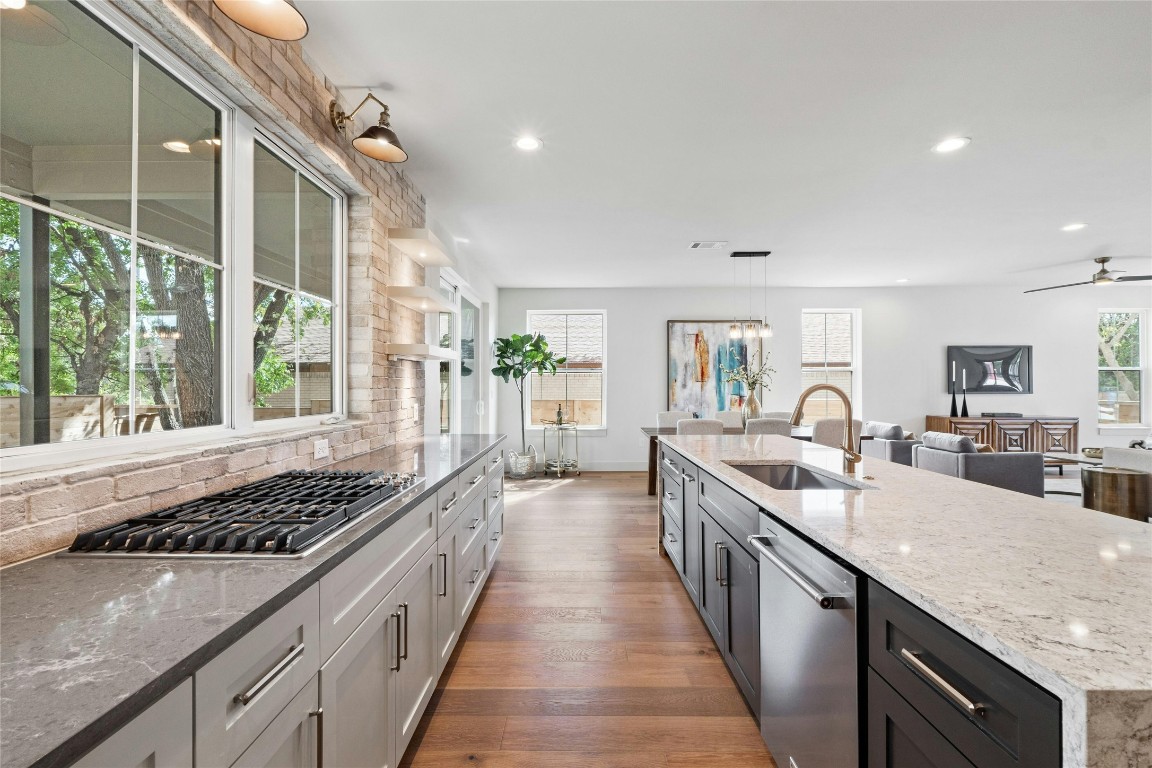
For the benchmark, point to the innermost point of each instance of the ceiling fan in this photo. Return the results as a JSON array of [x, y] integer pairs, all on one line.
[[1104, 277]]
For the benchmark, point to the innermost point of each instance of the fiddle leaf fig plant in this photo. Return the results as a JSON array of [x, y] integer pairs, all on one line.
[[518, 356]]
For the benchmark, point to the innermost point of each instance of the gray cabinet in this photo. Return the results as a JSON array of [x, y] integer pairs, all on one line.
[[159, 737], [291, 740], [900, 737], [713, 540], [414, 678], [447, 627]]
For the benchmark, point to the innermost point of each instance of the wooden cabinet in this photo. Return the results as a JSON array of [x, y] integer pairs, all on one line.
[[1043, 434], [159, 737]]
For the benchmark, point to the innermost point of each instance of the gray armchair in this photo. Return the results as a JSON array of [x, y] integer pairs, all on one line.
[[956, 455], [887, 442]]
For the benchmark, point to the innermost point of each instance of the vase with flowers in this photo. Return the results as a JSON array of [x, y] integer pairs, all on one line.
[[753, 376]]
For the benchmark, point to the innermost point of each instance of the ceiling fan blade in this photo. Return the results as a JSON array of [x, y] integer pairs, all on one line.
[[1054, 287], [1133, 278]]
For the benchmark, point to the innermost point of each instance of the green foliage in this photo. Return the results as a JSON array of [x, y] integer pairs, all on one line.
[[751, 376], [272, 376], [1119, 340], [518, 356]]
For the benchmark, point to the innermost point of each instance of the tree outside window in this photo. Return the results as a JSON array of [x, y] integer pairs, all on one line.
[[1120, 341]]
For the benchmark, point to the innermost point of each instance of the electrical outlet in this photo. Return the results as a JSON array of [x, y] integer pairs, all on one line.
[[320, 449]]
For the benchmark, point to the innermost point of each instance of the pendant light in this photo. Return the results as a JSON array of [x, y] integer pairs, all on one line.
[[751, 328], [378, 142], [275, 19]]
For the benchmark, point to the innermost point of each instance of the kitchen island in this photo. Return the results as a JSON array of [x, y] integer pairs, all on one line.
[[1060, 594], [90, 644]]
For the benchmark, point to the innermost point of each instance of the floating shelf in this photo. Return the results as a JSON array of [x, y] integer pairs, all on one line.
[[422, 245], [421, 298], [420, 352]]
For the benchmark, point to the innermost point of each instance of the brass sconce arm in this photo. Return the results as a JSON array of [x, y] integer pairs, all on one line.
[[340, 118]]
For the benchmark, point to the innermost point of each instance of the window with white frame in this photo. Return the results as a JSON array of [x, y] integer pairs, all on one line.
[[1122, 366], [577, 389], [120, 266], [111, 267], [830, 354]]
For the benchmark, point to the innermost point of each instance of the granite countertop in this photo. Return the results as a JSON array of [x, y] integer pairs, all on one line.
[[1060, 593], [89, 643]]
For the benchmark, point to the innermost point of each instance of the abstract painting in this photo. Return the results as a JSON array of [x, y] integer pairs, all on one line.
[[1005, 369], [698, 353]]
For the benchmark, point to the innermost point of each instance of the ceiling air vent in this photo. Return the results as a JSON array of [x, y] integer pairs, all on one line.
[[707, 245]]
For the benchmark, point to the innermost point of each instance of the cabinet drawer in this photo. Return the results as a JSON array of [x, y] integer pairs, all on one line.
[[495, 494], [291, 739], [672, 465], [469, 581], [496, 462], [1016, 723], [266, 668], [495, 535], [673, 542], [473, 480], [350, 592], [448, 505], [672, 505], [470, 530], [738, 516], [898, 737]]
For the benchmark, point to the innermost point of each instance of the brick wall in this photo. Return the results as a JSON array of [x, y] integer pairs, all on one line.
[[288, 97]]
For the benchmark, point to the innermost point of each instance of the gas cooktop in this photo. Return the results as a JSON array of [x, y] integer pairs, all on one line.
[[286, 515]]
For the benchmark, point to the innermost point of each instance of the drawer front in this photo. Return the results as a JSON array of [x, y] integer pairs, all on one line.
[[448, 505], [470, 530], [469, 581], [266, 668], [672, 466], [291, 739], [735, 514], [898, 737], [672, 505], [495, 494], [496, 462], [1018, 723], [673, 542], [350, 592], [473, 480], [495, 535]]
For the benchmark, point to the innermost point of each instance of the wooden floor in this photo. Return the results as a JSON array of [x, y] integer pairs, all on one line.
[[584, 649]]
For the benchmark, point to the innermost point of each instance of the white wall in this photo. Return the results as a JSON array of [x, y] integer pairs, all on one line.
[[905, 332]]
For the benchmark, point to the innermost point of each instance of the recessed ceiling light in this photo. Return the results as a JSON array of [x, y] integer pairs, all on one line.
[[529, 143], [462, 240], [177, 146], [902, 280], [1075, 227], [951, 145]]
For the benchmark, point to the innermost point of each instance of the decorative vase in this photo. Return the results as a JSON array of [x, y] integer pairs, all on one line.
[[522, 466], [964, 409], [750, 409], [953, 413]]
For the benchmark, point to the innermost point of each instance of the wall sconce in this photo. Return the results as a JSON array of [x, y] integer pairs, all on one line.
[[378, 142], [277, 19]]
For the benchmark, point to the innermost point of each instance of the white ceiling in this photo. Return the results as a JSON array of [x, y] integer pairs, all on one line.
[[803, 128]]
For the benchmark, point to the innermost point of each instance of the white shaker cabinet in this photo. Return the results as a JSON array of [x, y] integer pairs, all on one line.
[[159, 737], [414, 679]]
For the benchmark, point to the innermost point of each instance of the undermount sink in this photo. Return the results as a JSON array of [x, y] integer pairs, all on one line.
[[790, 477]]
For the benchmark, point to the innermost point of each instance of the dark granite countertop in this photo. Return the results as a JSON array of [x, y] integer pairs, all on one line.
[[86, 644]]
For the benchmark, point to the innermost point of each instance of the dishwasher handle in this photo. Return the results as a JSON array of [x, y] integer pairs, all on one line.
[[825, 600]]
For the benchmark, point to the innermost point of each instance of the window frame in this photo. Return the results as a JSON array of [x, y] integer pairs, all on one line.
[[857, 366], [239, 134], [602, 427], [1144, 369]]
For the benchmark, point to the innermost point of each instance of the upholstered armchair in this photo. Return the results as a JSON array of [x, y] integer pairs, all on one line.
[[956, 455], [887, 442]]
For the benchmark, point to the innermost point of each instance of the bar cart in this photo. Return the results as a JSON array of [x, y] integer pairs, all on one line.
[[563, 431]]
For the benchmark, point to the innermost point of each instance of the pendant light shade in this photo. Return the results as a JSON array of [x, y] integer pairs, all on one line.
[[380, 143], [276, 19]]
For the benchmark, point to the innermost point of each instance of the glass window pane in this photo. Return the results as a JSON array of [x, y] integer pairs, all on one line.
[[66, 112], [274, 219], [578, 386], [315, 356], [1119, 342], [179, 165], [315, 240], [1119, 397], [824, 405], [177, 343], [274, 347], [826, 339]]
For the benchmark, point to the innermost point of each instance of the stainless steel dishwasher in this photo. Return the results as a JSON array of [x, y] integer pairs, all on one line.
[[809, 705]]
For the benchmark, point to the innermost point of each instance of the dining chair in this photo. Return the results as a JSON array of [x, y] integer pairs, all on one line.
[[777, 415], [699, 427], [830, 432], [668, 419], [731, 419], [768, 427]]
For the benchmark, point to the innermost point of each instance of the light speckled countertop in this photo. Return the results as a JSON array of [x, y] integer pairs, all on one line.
[[86, 644], [1060, 593]]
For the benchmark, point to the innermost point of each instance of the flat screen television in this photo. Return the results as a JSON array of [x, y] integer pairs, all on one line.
[[992, 369]]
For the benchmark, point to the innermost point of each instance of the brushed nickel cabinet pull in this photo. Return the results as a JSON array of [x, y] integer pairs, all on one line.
[[319, 715], [397, 667], [444, 562], [687, 477], [716, 547], [476, 479], [941, 685], [668, 495], [475, 575], [293, 653], [671, 537], [451, 503], [475, 523], [404, 607]]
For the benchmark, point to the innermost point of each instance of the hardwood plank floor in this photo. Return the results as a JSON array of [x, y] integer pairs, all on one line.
[[584, 651]]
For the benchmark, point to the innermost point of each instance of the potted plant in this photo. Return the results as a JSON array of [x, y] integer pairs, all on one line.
[[753, 377], [516, 357]]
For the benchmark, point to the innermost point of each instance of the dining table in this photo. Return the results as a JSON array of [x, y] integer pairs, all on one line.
[[800, 433]]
